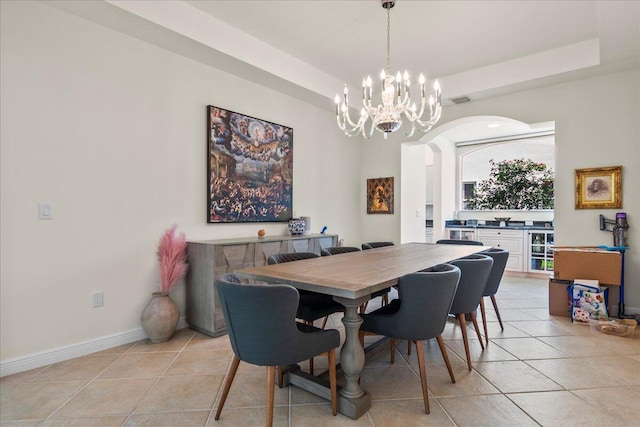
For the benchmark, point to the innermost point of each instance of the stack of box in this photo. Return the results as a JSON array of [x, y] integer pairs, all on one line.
[[572, 263]]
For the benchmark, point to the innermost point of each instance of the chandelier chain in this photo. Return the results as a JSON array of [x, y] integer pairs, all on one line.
[[389, 41]]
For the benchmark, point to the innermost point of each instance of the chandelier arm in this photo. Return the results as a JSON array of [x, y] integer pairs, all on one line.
[[432, 120], [411, 132], [365, 134], [347, 116], [412, 115]]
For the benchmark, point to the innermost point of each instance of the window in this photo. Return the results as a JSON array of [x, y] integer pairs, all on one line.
[[475, 160], [467, 191]]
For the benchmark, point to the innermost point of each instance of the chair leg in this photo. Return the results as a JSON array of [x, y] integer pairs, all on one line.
[[463, 326], [280, 377], [311, 360], [385, 299], [474, 319], [332, 381], [393, 350], [227, 384], [495, 307], [484, 320], [271, 376], [423, 375], [324, 322], [409, 347], [445, 356]]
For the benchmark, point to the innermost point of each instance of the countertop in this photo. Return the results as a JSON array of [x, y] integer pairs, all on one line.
[[514, 225]]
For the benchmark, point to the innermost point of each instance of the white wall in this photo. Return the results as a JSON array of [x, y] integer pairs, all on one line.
[[413, 195], [112, 131], [380, 158]]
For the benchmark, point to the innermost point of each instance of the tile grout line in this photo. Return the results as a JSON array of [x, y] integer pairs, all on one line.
[[91, 381], [178, 353]]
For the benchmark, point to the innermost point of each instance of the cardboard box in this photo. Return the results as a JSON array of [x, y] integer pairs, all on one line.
[[559, 303], [587, 263], [559, 297]]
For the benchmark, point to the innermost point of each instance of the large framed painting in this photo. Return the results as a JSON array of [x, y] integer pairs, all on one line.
[[249, 169], [599, 188], [380, 195]]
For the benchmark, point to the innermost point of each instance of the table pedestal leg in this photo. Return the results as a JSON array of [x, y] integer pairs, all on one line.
[[353, 401]]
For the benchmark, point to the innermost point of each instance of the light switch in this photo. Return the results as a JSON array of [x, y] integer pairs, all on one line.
[[46, 210]]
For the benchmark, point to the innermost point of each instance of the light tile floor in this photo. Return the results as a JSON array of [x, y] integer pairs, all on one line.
[[541, 370]]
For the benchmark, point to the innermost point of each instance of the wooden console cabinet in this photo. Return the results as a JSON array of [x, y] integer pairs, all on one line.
[[210, 259]]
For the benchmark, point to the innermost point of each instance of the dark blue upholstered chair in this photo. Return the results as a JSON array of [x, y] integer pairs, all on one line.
[[459, 242], [419, 314], [312, 305], [288, 257], [263, 331], [373, 245], [500, 257], [475, 271], [336, 250]]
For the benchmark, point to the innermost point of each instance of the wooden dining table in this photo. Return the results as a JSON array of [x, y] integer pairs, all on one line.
[[351, 279]]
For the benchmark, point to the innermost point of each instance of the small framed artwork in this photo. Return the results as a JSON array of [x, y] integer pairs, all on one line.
[[599, 188], [380, 195], [249, 168]]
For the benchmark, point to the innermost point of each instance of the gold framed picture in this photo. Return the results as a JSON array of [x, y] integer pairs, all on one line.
[[599, 188], [380, 195]]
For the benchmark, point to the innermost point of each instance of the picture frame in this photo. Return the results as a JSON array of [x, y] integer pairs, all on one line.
[[380, 195], [599, 188], [249, 168]]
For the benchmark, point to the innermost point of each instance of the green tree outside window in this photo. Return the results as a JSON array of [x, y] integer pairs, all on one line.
[[514, 184]]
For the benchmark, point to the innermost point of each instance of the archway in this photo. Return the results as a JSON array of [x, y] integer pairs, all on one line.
[[446, 169]]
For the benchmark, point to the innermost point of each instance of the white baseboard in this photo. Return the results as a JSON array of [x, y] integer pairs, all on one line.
[[44, 358]]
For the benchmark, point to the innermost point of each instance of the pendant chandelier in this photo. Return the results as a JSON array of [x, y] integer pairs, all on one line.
[[396, 101]]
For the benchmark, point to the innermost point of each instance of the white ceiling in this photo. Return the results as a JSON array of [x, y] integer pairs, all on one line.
[[347, 39], [309, 49]]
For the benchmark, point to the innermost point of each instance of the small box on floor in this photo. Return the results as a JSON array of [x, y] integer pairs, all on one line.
[[560, 303]]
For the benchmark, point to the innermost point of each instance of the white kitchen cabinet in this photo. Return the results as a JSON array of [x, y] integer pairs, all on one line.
[[462, 233], [540, 251], [428, 235], [510, 240]]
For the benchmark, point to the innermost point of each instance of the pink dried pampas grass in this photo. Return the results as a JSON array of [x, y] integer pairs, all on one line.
[[172, 253]]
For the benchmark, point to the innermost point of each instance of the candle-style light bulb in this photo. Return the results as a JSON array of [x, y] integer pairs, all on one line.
[[421, 79]]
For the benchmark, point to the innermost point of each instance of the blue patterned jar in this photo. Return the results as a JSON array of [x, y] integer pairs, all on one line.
[[296, 226]]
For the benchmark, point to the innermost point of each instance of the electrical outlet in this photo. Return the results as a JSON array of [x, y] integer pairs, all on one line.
[[45, 210], [98, 299]]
